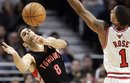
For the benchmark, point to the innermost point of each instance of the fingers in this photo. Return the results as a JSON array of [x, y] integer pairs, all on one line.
[[40, 39], [36, 39], [33, 38], [5, 44], [6, 50], [3, 47]]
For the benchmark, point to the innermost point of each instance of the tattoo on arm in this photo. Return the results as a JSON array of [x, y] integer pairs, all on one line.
[[101, 25]]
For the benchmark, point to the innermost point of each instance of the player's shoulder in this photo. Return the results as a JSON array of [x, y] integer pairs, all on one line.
[[102, 26], [106, 26]]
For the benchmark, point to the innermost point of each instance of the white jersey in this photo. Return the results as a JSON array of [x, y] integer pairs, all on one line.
[[117, 51]]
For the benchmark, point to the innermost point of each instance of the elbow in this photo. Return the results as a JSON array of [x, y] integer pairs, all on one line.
[[23, 70], [63, 44], [60, 45]]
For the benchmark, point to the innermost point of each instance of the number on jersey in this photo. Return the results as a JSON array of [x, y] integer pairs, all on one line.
[[124, 63], [57, 69]]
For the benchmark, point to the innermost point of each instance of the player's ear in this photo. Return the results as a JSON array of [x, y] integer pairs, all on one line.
[[25, 45], [116, 22]]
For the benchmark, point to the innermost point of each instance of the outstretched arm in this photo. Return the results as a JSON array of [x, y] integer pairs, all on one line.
[[56, 43], [50, 41], [93, 23], [22, 64]]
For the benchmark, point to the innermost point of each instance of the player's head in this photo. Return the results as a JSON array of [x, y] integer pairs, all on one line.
[[120, 16], [25, 37]]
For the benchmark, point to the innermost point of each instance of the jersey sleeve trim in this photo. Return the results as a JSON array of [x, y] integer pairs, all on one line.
[[106, 39], [37, 76], [35, 73], [118, 77]]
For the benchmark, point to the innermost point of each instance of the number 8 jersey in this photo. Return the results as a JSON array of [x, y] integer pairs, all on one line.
[[49, 66], [117, 50]]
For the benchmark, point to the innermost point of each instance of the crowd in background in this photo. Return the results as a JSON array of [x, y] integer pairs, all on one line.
[[83, 71]]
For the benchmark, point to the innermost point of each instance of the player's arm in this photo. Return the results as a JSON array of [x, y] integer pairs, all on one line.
[[56, 43], [50, 41], [22, 64], [93, 23]]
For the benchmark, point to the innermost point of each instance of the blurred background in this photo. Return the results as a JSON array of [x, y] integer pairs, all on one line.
[[83, 57]]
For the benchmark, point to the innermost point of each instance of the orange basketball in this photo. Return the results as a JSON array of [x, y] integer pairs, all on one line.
[[34, 14]]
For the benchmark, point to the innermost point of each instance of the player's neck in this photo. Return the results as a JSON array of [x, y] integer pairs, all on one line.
[[121, 27]]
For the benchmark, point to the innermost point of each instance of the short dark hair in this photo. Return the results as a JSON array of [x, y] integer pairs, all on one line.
[[19, 31], [54, 34], [122, 15]]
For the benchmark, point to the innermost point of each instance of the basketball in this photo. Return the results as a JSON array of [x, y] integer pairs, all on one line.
[[34, 14]]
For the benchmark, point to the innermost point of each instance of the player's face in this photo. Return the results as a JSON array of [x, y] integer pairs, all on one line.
[[113, 16], [26, 35]]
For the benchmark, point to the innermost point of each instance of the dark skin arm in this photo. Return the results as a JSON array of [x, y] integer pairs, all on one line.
[[93, 23]]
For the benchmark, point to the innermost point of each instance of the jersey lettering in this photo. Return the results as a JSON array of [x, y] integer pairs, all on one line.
[[120, 43], [48, 60]]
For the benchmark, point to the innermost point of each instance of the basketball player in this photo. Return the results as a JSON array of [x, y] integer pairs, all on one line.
[[115, 40], [42, 60]]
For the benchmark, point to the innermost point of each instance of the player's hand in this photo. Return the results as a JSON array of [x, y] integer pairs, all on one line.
[[38, 39], [8, 49]]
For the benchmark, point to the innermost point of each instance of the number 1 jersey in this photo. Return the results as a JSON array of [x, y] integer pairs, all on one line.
[[117, 50], [49, 66]]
